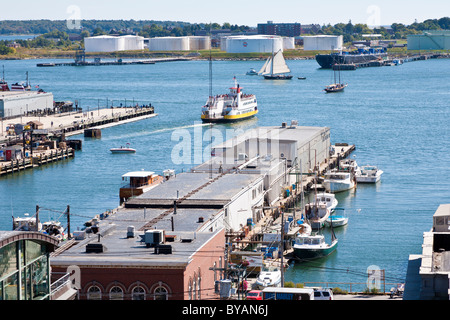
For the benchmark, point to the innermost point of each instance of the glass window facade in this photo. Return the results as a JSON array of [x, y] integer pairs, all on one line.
[[24, 271]]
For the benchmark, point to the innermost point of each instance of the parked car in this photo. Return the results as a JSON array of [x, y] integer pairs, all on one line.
[[254, 295], [323, 294]]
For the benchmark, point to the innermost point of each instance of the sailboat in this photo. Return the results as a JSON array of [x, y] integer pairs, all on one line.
[[275, 68], [337, 86]]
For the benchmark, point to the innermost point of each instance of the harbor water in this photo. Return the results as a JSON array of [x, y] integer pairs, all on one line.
[[398, 118]]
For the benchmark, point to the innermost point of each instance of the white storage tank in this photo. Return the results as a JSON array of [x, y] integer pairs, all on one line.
[[104, 44], [259, 43], [199, 43], [169, 44], [133, 42], [288, 43], [322, 42]]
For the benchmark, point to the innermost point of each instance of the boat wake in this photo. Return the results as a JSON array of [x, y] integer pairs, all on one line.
[[148, 133]]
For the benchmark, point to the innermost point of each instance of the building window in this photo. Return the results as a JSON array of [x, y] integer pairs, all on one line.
[[116, 293], [138, 293], [199, 287], [94, 293], [160, 293], [190, 288]]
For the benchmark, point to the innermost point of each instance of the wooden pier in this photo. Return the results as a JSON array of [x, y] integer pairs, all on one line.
[[38, 159]]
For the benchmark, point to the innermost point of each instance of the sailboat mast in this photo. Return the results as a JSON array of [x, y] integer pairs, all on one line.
[[210, 63]]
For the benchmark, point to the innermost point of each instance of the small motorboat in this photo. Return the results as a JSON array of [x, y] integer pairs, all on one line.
[[122, 149], [336, 220], [252, 72], [301, 78], [368, 174], [269, 277]]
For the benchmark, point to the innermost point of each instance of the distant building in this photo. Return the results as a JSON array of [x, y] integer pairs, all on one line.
[[430, 40], [280, 29], [310, 28]]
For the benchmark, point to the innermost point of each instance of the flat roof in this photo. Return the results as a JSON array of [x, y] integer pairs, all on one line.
[[442, 210], [120, 250]]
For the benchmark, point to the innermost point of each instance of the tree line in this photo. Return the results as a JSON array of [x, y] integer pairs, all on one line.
[[55, 33]]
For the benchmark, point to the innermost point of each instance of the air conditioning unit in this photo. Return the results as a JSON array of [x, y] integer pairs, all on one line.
[[242, 156], [130, 231], [154, 237]]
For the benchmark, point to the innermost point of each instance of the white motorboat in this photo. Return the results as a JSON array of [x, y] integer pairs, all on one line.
[[329, 199], [252, 72], [368, 174], [337, 221], [348, 165], [122, 149], [337, 181], [269, 277]]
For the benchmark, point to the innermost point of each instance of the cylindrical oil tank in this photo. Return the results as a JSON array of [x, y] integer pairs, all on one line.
[[260, 43], [199, 43], [322, 42], [288, 43], [169, 44]]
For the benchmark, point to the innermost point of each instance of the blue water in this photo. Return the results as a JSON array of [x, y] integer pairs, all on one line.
[[397, 117]]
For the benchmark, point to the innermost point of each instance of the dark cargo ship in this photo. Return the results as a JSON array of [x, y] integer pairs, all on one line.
[[326, 61]]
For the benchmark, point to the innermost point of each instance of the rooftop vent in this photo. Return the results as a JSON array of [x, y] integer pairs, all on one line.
[[163, 249], [95, 248], [130, 232], [200, 219], [283, 124]]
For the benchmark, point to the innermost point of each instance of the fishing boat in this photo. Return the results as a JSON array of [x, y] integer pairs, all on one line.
[[23, 86], [138, 182], [329, 199], [252, 72], [336, 220], [337, 181], [313, 246], [231, 107], [275, 68], [269, 277], [368, 174], [123, 149], [317, 214]]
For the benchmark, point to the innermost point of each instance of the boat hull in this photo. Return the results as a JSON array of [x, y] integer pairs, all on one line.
[[314, 253], [231, 118], [337, 221], [278, 77], [326, 61], [122, 150], [338, 186]]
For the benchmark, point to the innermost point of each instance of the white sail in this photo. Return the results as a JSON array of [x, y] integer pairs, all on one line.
[[279, 64], [266, 67]]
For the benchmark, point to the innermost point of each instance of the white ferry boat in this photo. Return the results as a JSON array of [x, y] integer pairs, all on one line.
[[230, 107]]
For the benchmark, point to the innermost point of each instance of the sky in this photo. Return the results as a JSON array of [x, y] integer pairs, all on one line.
[[244, 12]]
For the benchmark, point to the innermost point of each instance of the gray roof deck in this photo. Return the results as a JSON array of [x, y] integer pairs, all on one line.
[[120, 250]]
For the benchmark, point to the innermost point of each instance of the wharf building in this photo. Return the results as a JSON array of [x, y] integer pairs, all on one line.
[[17, 103], [430, 40], [170, 242], [428, 276]]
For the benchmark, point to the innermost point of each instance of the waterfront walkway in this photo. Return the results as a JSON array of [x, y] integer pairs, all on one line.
[[72, 123]]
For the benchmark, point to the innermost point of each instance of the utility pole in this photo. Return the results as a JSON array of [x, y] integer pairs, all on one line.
[[37, 218], [282, 249], [68, 221]]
